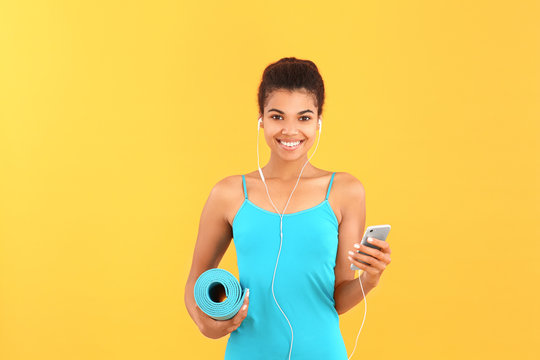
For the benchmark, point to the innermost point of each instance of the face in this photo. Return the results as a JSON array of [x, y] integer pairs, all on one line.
[[290, 117]]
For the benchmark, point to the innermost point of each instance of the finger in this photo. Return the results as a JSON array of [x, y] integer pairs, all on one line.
[[380, 243], [233, 328], [371, 251], [369, 259], [372, 261], [246, 300], [246, 303], [378, 255], [386, 259], [240, 315], [381, 265], [366, 267], [237, 320], [360, 265]]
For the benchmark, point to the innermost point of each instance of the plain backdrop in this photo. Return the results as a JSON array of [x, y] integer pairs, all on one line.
[[118, 117]]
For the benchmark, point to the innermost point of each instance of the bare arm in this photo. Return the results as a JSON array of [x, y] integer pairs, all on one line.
[[213, 239], [347, 291]]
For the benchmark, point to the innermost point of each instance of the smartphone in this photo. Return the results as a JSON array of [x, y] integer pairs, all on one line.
[[376, 231]]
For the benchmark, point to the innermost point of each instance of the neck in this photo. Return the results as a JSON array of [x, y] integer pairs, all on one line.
[[286, 170]]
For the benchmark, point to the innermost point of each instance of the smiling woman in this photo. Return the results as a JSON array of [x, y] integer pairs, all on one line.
[[292, 91], [293, 262]]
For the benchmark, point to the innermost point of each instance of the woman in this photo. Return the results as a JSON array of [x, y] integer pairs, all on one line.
[[299, 278]]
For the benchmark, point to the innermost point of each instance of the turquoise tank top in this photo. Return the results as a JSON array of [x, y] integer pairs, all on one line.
[[303, 284]]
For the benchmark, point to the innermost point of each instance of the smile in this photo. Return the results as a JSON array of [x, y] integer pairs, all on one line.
[[290, 145]]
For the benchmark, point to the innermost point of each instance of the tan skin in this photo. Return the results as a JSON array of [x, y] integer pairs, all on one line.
[[284, 118]]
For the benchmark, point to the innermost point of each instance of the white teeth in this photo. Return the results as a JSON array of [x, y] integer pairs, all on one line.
[[290, 143]]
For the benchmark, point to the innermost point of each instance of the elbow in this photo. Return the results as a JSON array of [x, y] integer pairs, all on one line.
[[337, 302], [204, 332], [339, 311], [338, 308], [341, 303]]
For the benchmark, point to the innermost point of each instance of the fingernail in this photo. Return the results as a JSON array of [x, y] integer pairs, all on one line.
[[247, 293], [357, 246], [370, 239], [351, 253], [244, 307]]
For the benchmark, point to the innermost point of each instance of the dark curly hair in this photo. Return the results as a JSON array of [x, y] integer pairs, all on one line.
[[291, 74]]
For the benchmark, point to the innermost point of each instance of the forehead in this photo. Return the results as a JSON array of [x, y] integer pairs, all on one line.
[[291, 101]]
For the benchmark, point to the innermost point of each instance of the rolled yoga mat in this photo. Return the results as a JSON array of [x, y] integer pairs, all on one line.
[[218, 294]]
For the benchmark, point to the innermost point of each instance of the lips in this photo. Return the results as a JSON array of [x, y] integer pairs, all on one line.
[[290, 148]]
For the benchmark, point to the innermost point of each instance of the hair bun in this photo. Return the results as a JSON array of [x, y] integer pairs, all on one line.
[[291, 73]]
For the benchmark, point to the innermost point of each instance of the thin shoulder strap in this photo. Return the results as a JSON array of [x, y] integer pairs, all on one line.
[[244, 183], [330, 186]]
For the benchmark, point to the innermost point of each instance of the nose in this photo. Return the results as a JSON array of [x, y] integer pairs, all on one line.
[[289, 129], [286, 132]]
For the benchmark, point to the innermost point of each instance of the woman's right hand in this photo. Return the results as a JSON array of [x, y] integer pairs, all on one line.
[[215, 329]]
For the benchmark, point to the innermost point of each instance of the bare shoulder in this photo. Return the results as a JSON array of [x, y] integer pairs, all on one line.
[[349, 185], [349, 190], [227, 189], [227, 196]]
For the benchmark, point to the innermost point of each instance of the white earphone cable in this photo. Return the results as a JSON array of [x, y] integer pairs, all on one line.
[[365, 313], [281, 233], [281, 222]]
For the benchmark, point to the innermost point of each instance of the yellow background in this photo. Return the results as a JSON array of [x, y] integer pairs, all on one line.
[[117, 118]]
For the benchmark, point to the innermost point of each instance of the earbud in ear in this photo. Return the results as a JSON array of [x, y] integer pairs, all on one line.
[[320, 125], [259, 122]]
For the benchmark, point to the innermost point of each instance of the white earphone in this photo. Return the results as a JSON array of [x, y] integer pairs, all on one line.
[[281, 231]]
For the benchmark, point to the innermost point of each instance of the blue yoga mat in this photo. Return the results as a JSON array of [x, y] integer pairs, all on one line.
[[207, 288]]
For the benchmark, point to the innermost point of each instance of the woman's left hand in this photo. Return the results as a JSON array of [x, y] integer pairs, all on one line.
[[378, 263]]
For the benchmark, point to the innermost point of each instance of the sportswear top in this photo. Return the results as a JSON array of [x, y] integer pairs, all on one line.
[[303, 284]]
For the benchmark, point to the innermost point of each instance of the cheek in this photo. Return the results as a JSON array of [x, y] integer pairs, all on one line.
[[270, 140], [270, 135], [312, 138]]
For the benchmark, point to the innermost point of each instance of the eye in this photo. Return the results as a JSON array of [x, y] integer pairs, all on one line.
[[307, 118]]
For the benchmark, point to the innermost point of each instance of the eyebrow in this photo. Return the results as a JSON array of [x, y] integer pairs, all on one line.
[[299, 113]]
